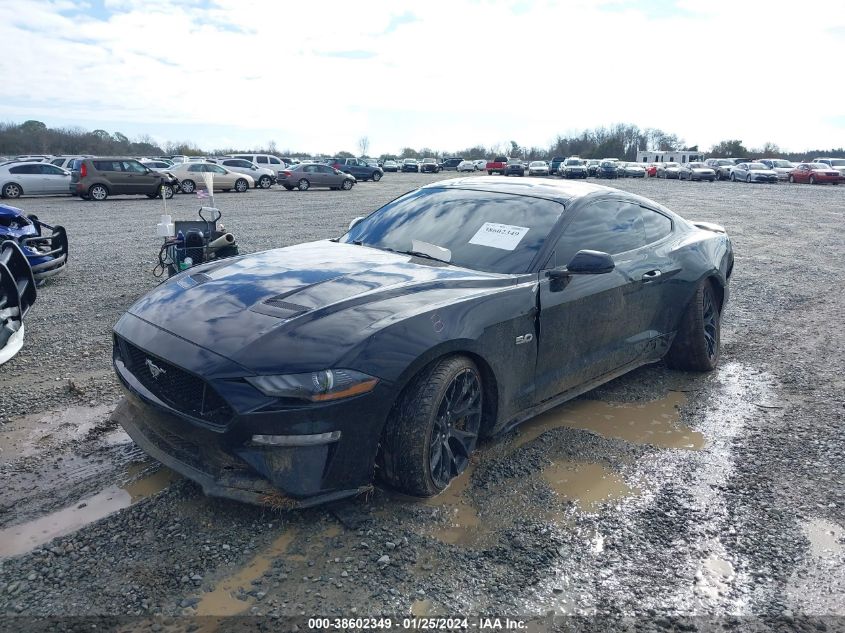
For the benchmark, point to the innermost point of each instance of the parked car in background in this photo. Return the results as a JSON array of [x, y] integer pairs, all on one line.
[[514, 166], [781, 167], [651, 170], [497, 165], [390, 165], [104, 176], [753, 172], [429, 166], [156, 165], [358, 168], [179, 158], [836, 163], [633, 170], [309, 175], [271, 162], [592, 166], [538, 168], [466, 165], [66, 162], [33, 179], [372, 162], [721, 166], [669, 170], [410, 165], [815, 173], [696, 171], [607, 169], [480, 164], [451, 163], [573, 167], [554, 165], [263, 176], [190, 177]]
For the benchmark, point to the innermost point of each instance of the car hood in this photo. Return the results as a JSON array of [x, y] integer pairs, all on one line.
[[309, 302]]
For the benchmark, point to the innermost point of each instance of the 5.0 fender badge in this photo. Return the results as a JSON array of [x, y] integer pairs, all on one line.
[[525, 338]]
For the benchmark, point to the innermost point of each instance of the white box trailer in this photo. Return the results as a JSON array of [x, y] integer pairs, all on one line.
[[677, 156]]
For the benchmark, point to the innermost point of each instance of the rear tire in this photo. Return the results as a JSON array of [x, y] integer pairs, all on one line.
[[791, 179], [98, 192], [12, 190], [433, 428], [697, 342]]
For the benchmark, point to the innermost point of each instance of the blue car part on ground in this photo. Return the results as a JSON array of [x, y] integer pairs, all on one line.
[[17, 294], [45, 246]]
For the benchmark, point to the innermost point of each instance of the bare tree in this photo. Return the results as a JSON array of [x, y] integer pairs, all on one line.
[[364, 145]]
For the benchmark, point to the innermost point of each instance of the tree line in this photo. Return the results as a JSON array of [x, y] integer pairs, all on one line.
[[621, 140]]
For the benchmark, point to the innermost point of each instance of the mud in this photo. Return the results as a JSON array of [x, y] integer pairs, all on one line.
[[588, 485]]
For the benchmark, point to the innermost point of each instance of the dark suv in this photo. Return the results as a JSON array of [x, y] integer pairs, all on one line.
[[514, 166], [451, 163], [99, 178], [358, 168]]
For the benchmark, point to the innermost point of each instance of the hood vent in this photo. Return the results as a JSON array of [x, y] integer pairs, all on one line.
[[278, 307]]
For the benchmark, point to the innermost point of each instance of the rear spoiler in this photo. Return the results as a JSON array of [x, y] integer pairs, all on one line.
[[709, 226]]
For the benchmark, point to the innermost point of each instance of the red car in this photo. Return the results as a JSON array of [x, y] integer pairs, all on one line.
[[651, 170], [815, 173]]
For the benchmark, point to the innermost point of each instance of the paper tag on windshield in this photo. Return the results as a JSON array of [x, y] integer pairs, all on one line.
[[504, 236]]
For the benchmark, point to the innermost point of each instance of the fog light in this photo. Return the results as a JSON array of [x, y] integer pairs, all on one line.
[[296, 440]]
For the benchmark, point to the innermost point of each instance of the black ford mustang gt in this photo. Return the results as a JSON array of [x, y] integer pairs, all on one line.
[[456, 311]]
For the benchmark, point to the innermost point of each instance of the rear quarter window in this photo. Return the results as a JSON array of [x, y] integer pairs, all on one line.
[[657, 226]]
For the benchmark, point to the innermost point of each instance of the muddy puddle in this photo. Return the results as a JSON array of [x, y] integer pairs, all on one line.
[[654, 422], [28, 435], [587, 484], [142, 480], [825, 537]]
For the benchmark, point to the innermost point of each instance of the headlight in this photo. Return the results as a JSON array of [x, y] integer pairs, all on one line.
[[318, 386]]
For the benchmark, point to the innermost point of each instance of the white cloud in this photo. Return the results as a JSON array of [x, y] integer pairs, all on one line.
[[460, 73]]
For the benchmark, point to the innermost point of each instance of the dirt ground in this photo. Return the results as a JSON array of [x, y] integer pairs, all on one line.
[[660, 500]]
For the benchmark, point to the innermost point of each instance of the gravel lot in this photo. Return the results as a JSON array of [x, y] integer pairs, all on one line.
[[661, 495]]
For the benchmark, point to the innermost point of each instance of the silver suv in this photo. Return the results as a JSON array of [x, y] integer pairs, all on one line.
[[263, 176]]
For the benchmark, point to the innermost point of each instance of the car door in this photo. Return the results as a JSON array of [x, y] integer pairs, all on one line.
[[28, 176], [139, 179], [275, 165], [593, 324], [55, 180]]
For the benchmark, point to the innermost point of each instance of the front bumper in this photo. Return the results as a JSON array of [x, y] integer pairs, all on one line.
[[575, 173], [764, 179], [220, 454]]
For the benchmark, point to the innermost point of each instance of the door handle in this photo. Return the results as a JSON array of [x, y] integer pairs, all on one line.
[[651, 275]]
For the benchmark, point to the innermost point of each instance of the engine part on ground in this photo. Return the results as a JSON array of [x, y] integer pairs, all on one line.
[[45, 246], [17, 294], [188, 243]]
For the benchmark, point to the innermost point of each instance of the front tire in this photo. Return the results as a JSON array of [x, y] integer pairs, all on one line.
[[433, 428], [376, 176], [812, 180], [241, 185], [347, 185], [188, 186], [264, 182], [303, 185], [791, 179], [697, 344]]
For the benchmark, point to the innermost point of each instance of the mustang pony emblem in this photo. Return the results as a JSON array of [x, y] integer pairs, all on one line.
[[155, 370]]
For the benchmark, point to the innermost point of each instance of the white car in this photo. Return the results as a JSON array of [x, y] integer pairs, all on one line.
[[781, 167], [263, 176], [18, 179], [467, 165], [538, 168], [265, 160], [480, 164], [190, 177], [834, 163]]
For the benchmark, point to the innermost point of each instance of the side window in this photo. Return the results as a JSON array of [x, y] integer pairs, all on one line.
[[51, 170], [324, 169], [217, 169], [261, 160], [196, 167], [25, 169], [133, 166], [243, 163], [610, 226], [275, 161], [232, 163], [106, 165], [656, 225], [57, 161]]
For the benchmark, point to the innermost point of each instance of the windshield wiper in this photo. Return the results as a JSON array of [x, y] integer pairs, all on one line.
[[425, 255]]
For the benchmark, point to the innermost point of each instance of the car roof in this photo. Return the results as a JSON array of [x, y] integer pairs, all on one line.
[[557, 190]]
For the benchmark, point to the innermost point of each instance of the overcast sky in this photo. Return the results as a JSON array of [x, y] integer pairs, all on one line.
[[317, 76]]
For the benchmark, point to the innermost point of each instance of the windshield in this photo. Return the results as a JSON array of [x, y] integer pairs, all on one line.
[[697, 166], [487, 231], [672, 165], [837, 162], [410, 161], [756, 166], [429, 160], [574, 161], [608, 163], [782, 163], [537, 163]]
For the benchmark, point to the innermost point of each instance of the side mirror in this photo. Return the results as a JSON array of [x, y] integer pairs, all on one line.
[[584, 263], [354, 222]]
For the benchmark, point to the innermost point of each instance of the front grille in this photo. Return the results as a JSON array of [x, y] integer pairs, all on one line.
[[176, 387]]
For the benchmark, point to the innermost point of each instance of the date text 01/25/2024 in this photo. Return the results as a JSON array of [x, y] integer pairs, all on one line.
[[416, 624]]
